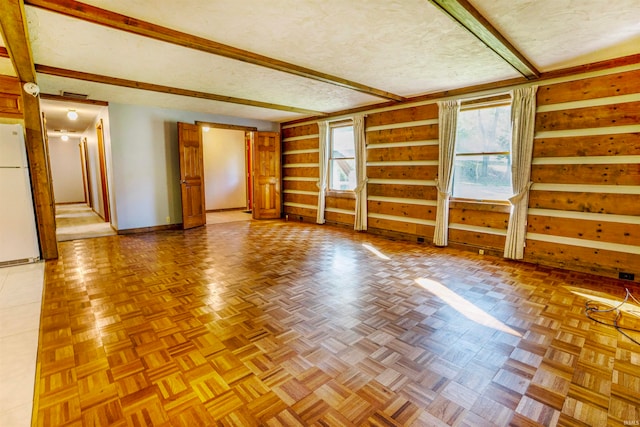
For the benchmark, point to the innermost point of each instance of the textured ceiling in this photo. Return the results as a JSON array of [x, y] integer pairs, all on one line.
[[566, 33], [401, 46], [406, 47]]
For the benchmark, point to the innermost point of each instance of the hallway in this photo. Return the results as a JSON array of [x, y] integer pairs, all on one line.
[[79, 221]]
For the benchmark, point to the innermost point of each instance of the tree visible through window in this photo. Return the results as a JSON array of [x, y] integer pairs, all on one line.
[[482, 168], [342, 162]]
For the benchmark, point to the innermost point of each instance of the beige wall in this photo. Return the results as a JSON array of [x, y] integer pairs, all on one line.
[[225, 169], [66, 170]]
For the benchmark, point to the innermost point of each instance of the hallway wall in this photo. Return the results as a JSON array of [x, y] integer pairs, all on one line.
[[66, 170], [94, 163]]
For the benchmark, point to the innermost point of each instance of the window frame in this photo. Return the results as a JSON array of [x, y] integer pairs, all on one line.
[[477, 104], [330, 190]]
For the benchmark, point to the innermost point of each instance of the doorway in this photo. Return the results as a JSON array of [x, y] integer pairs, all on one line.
[[78, 166], [227, 172]]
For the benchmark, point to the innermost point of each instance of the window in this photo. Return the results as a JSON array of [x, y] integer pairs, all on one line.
[[482, 168], [342, 160]]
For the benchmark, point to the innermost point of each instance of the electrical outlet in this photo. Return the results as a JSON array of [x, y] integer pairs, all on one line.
[[168, 219], [481, 251], [626, 276]]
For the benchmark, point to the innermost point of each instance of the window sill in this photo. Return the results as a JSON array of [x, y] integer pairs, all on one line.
[[341, 194]]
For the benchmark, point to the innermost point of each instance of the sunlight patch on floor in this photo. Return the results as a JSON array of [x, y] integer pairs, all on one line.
[[375, 251], [464, 307]]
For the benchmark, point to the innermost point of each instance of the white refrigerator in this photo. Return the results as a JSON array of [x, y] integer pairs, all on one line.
[[18, 236]]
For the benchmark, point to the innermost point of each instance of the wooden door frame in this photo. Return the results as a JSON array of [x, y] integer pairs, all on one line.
[[248, 174], [102, 161], [45, 138], [86, 172], [248, 165]]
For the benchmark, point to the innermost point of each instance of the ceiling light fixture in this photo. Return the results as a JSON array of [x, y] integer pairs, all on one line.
[[64, 137], [72, 115]]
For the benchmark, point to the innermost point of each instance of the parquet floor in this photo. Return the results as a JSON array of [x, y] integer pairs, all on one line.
[[288, 324]]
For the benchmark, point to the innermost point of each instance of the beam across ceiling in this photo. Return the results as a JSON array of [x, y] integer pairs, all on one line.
[[142, 28], [61, 98], [14, 31], [115, 81], [467, 16]]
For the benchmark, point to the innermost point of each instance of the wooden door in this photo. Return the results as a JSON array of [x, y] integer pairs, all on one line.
[[102, 161], [45, 139], [191, 175], [266, 175]]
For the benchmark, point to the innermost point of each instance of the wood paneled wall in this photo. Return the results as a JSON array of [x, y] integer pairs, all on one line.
[[584, 209], [402, 164], [300, 172]]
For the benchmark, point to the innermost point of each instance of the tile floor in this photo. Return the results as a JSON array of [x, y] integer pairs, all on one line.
[[20, 303]]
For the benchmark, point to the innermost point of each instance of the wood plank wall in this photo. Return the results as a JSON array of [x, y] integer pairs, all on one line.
[[300, 171], [584, 210]]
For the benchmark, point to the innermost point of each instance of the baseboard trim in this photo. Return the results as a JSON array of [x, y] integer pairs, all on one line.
[[71, 203], [15, 262]]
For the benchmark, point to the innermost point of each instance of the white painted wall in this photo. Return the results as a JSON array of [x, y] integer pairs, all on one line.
[[94, 163], [225, 169], [144, 157], [66, 170]]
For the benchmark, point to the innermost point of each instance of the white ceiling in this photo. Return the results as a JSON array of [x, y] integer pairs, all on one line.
[[406, 47], [58, 122]]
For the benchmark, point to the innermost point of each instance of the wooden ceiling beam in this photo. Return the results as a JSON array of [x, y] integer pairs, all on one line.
[[226, 126], [142, 28], [61, 98], [466, 15], [115, 81], [14, 31]]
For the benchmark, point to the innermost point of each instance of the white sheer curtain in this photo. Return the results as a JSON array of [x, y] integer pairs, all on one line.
[[523, 118], [323, 165], [447, 120], [360, 191]]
